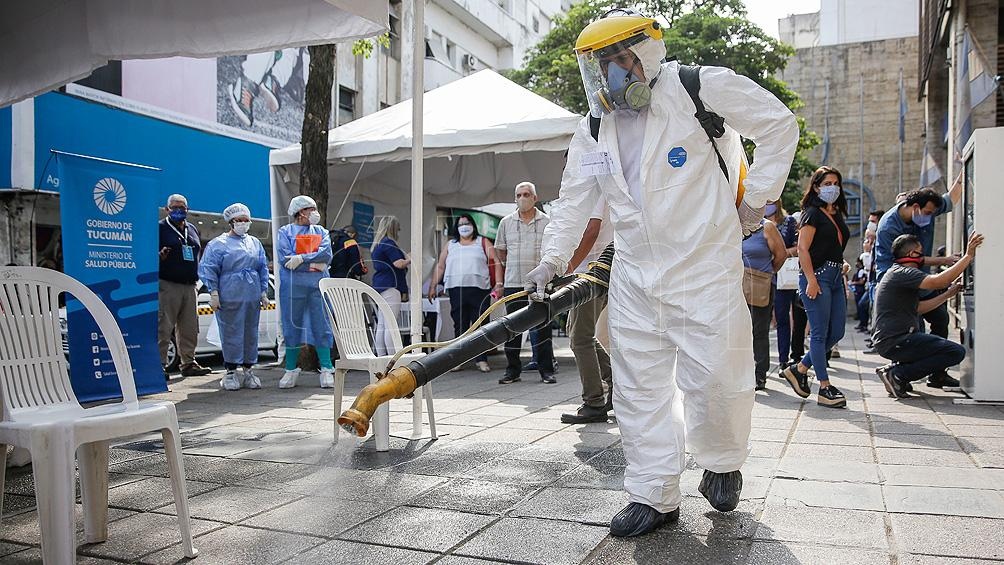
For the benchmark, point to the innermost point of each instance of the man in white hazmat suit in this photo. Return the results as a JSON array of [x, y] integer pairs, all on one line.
[[680, 331]]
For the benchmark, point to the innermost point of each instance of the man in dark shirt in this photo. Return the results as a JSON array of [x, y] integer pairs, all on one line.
[[180, 245], [347, 262], [897, 304]]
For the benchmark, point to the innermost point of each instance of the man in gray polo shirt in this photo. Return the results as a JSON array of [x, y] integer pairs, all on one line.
[[517, 244]]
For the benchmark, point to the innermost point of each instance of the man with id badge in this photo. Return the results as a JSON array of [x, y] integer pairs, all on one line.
[[177, 317]]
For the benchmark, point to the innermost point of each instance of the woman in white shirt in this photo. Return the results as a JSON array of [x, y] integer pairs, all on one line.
[[464, 268]]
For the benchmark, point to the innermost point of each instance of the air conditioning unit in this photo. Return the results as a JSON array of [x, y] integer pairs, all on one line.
[[470, 62]]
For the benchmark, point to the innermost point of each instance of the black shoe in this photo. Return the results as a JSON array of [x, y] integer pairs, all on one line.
[[906, 386], [761, 383], [586, 414], [942, 380], [637, 519], [531, 366], [195, 370], [895, 386], [831, 397], [722, 489], [509, 378], [609, 406], [548, 378], [799, 381]]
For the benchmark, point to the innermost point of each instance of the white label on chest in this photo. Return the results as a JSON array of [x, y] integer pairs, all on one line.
[[596, 163]]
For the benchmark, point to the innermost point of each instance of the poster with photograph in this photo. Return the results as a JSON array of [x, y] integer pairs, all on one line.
[[263, 92]]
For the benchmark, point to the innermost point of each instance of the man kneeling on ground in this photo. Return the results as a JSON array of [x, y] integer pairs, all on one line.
[[897, 310]]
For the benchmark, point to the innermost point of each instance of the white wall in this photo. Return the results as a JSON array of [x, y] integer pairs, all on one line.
[[856, 21]]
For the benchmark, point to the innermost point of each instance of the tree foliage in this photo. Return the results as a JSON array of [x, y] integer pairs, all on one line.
[[702, 32]]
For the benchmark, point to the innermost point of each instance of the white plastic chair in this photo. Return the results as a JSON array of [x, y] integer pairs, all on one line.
[[41, 412], [346, 307]]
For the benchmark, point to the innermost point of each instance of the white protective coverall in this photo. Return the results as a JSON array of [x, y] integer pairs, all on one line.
[[678, 319]]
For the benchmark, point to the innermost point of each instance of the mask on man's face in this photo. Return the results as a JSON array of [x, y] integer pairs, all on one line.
[[525, 203], [873, 226], [921, 219], [177, 214]]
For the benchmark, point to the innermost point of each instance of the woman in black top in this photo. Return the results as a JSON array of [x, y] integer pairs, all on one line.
[[822, 236]]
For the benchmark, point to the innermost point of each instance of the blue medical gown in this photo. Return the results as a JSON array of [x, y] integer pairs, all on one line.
[[235, 266], [300, 305]]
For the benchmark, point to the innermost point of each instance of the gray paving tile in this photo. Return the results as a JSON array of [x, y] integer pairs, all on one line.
[[429, 529], [232, 504], [826, 437], [335, 482], [17, 503], [152, 492], [483, 497], [774, 553], [23, 528], [139, 534], [955, 477], [850, 528], [770, 434], [530, 540], [9, 548], [861, 454], [609, 477], [917, 441], [459, 560], [944, 501], [665, 548], [910, 456], [698, 518], [577, 439], [559, 454], [456, 458], [518, 471], [347, 552], [318, 517], [827, 470], [588, 506], [913, 559], [948, 535], [852, 496], [237, 545], [34, 557], [516, 436]]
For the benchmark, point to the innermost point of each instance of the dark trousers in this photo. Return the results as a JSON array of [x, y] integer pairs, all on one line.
[[937, 319], [467, 303], [864, 305], [790, 318], [919, 355], [761, 316], [800, 320], [545, 351]]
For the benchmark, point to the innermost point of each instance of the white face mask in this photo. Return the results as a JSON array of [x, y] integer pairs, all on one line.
[[465, 230], [241, 228], [872, 226], [314, 218], [524, 203]]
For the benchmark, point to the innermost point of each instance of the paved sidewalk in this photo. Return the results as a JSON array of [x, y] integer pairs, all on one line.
[[917, 481]]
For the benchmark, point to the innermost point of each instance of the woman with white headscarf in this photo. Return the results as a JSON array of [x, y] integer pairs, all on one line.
[[234, 269]]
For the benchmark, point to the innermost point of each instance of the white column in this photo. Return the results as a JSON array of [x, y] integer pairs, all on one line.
[[22, 155]]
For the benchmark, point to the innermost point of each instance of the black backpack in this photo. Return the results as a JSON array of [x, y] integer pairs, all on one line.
[[713, 124], [340, 259]]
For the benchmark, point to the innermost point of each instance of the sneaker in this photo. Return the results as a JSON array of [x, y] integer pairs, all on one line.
[[586, 414], [269, 91], [942, 380], [195, 370], [483, 367], [895, 386], [531, 366], [241, 99], [799, 381], [230, 382], [761, 384], [509, 378], [288, 380], [251, 380], [831, 397], [835, 353], [548, 378], [327, 378]]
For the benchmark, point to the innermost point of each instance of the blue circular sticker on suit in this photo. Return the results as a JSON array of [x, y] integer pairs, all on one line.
[[677, 156]]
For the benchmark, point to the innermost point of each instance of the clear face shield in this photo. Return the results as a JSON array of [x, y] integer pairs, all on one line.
[[614, 77]]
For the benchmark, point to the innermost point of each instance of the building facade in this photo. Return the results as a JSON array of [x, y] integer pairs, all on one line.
[[848, 71]]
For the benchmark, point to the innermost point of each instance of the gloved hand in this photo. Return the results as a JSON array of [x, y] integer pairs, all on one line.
[[214, 300], [750, 219], [294, 261], [265, 302], [537, 279]]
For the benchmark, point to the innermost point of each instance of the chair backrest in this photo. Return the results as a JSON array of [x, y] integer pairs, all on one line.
[[33, 371], [346, 308]]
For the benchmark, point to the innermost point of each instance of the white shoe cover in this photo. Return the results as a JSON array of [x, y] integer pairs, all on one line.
[[251, 380], [230, 382], [288, 380], [327, 378]]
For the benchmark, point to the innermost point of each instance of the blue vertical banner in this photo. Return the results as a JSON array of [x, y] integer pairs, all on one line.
[[362, 218], [110, 234]]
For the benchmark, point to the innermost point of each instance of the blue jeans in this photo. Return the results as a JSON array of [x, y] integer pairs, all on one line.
[[826, 313], [783, 302]]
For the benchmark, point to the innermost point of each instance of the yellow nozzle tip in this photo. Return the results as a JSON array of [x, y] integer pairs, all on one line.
[[354, 421]]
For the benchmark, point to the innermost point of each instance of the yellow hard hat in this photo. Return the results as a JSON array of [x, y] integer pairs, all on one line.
[[607, 31]]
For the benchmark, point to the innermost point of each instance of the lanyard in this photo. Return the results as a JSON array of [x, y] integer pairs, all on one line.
[[184, 237]]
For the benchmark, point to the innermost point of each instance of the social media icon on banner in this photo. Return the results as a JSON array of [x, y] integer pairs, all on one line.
[[95, 349], [97, 374], [94, 336]]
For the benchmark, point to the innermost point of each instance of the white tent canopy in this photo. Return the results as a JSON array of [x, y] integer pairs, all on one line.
[[45, 44], [483, 134]]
